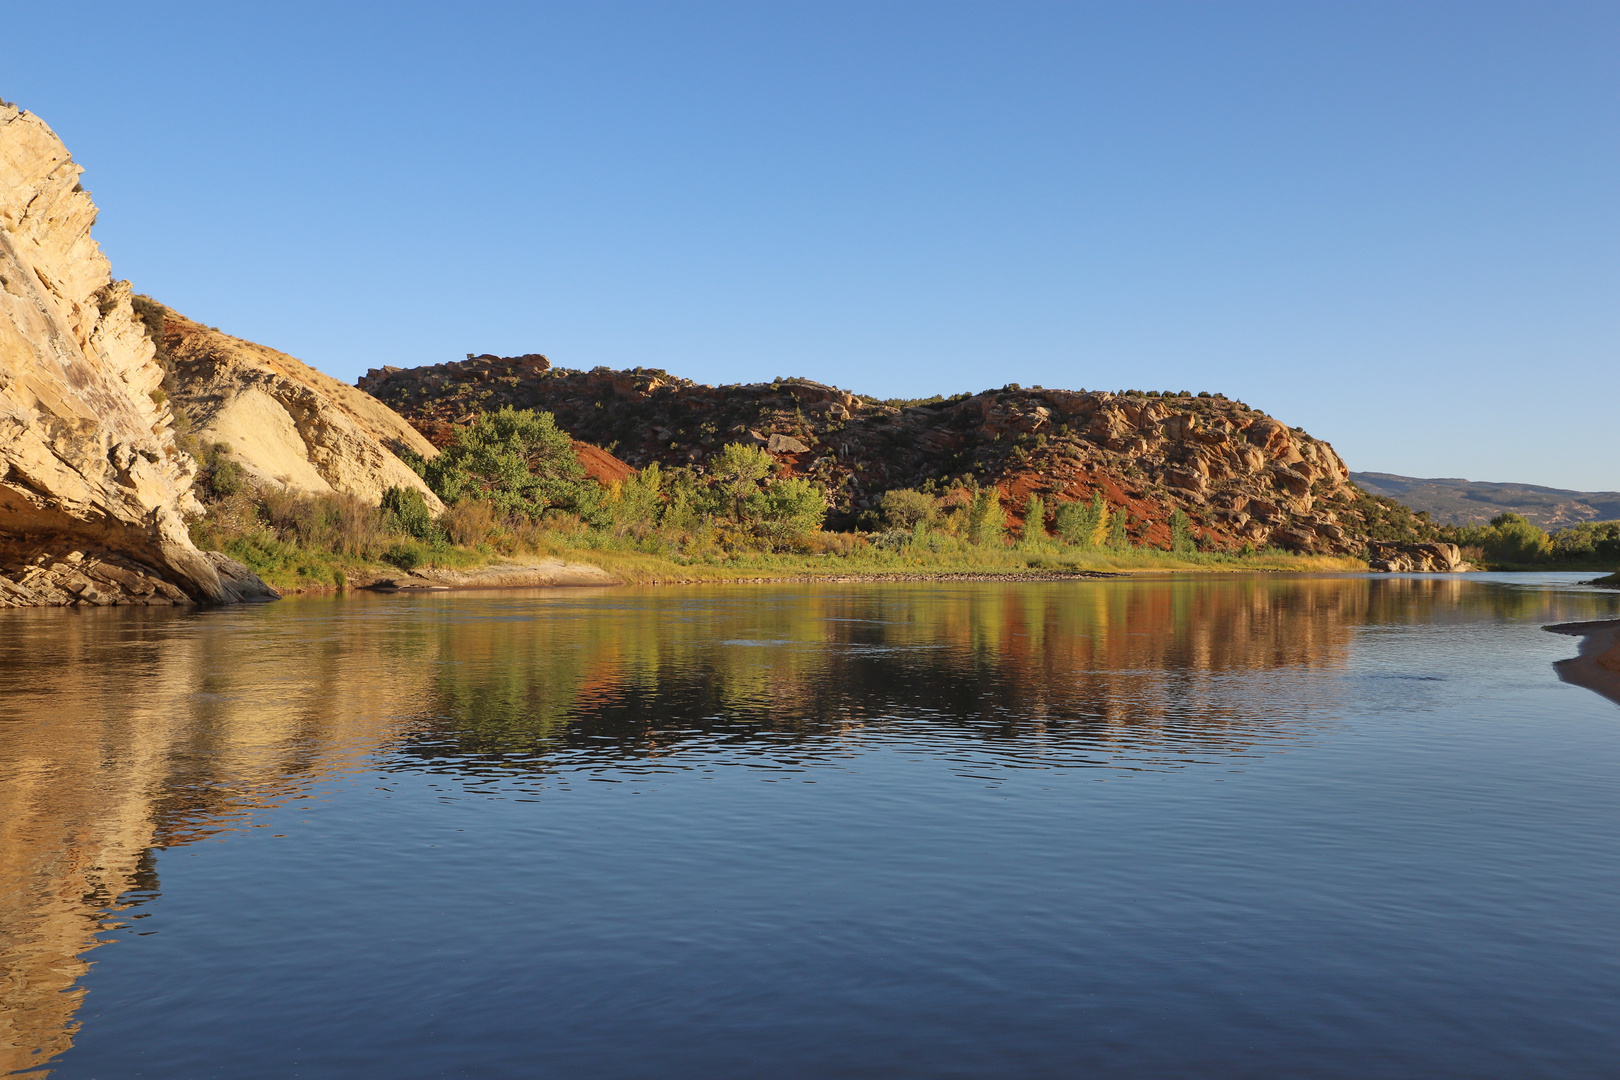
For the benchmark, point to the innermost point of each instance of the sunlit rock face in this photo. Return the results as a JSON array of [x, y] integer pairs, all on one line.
[[93, 488], [284, 422]]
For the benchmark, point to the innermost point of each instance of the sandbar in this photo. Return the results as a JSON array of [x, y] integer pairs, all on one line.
[[1598, 665]]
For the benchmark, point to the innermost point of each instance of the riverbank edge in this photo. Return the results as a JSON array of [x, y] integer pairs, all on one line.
[[1597, 665], [541, 577], [552, 571]]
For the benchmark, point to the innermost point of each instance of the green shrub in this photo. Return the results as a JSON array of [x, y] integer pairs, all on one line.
[[788, 510], [684, 511], [1509, 538], [405, 556], [891, 539], [633, 505], [905, 508], [1078, 523], [226, 478], [1118, 538], [518, 460], [1181, 539], [1588, 542], [407, 511], [987, 523], [737, 471], [1034, 519]]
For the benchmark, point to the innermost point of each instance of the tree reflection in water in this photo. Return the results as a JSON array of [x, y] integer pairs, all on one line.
[[124, 732]]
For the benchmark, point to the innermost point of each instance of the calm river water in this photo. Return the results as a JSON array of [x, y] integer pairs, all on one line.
[[1213, 827]]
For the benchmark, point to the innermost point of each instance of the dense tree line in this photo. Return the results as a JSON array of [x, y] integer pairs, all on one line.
[[1512, 540]]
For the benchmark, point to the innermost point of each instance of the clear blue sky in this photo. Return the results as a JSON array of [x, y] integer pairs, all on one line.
[[1396, 225]]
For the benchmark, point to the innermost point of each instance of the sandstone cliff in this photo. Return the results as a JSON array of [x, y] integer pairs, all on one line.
[[1241, 476], [284, 422], [92, 485]]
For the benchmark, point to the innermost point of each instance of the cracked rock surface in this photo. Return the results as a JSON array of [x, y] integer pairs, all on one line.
[[93, 488]]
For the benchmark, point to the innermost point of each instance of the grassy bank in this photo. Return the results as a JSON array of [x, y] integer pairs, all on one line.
[[1009, 560], [303, 544], [513, 489]]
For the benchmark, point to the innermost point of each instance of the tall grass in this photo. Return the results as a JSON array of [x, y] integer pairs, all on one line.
[[301, 541]]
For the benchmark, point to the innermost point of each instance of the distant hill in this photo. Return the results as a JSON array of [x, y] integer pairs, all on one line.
[[1465, 502]]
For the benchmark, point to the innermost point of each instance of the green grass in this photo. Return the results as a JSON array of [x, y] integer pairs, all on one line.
[[292, 566], [306, 543], [300, 567]]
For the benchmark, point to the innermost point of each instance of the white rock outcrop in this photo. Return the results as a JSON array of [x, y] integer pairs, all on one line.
[[89, 468], [285, 422]]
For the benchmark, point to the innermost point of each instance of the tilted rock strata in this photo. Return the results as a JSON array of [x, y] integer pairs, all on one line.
[[285, 422], [1389, 558], [88, 462], [1241, 476]]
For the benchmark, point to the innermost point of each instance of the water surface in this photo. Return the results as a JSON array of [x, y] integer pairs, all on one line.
[[1236, 826]]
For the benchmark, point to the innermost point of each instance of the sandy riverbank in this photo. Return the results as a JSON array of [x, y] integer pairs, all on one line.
[[1598, 665]]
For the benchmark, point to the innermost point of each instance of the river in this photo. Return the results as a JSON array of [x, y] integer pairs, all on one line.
[[1235, 826]]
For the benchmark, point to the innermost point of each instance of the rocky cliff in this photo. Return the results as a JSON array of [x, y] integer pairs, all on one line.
[[282, 421], [1240, 475], [92, 485]]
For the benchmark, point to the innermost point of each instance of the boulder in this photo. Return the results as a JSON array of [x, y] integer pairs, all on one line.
[[786, 444], [240, 582], [600, 465]]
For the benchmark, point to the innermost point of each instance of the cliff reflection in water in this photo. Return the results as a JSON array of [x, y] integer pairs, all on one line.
[[124, 731], [127, 731]]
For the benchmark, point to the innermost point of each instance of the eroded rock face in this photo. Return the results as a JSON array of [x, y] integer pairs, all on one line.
[[1390, 558], [285, 422], [88, 462]]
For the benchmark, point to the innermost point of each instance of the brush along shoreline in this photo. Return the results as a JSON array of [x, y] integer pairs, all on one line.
[[574, 574], [563, 571]]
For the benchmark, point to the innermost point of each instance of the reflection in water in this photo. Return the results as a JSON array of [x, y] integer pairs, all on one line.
[[1100, 674], [124, 732]]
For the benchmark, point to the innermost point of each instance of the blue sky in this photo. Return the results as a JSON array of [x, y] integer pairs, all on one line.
[[1395, 225]]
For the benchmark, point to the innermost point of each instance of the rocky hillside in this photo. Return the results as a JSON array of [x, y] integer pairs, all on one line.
[[279, 419], [1241, 476], [92, 485]]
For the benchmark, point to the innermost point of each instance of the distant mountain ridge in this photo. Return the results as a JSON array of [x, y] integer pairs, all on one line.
[[1467, 502]]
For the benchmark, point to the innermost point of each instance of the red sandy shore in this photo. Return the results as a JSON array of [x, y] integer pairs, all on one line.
[[1598, 665]]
